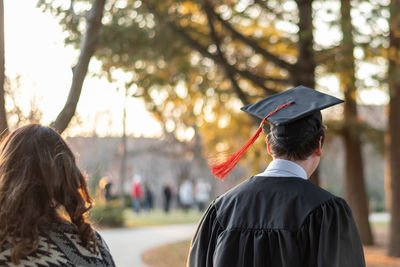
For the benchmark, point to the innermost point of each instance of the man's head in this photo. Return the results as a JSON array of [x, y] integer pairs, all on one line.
[[295, 141], [295, 130]]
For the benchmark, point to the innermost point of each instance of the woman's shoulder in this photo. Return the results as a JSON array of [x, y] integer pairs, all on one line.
[[61, 246], [65, 237]]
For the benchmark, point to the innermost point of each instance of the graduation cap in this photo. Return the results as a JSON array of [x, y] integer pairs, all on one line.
[[290, 113]]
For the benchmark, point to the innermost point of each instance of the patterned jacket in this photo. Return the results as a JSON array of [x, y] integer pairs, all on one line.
[[61, 248]]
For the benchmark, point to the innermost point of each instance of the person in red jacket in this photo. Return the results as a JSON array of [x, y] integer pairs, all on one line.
[[136, 193]]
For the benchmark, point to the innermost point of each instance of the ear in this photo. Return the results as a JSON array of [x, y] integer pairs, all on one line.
[[268, 146], [318, 151]]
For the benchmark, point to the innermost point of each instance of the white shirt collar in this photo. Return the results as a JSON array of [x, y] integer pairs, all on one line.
[[284, 168]]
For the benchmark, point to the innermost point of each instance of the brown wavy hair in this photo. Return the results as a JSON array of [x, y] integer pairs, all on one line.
[[39, 182]]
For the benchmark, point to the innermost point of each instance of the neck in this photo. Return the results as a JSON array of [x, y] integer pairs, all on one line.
[[309, 165]]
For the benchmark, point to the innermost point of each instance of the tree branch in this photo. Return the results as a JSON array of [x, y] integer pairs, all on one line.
[[217, 42], [3, 114], [253, 44], [326, 56], [263, 4], [257, 80], [88, 46]]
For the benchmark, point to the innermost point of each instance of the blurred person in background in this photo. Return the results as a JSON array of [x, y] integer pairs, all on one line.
[[105, 187], [202, 194], [148, 197], [167, 196], [107, 191], [186, 194], [44, 201], [136, 193]]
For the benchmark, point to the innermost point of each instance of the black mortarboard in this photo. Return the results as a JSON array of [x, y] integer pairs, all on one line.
[[293, 114], [300, 119], [306, 101]]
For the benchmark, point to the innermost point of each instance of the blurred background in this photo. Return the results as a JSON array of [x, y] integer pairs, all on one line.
[[145, 91]]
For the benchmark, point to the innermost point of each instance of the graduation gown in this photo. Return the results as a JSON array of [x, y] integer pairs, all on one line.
[[277, 221]]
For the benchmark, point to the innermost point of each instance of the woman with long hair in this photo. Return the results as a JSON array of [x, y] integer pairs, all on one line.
[[44, 200]]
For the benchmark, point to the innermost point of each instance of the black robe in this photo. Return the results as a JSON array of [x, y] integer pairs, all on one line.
[[277, 221]]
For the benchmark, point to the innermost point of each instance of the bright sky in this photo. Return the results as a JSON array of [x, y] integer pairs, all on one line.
[[35, 50]]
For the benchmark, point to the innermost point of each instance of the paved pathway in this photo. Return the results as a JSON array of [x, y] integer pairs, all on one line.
[[127, 245]]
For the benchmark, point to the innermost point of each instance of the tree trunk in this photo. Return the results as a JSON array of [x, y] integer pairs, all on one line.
[[354, 182], [3, 117], [387, 174], [87, 49], [393, 139], [304, 71]]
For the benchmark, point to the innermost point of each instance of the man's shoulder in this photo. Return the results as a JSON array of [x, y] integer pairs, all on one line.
[[267, 187], [268, 202]]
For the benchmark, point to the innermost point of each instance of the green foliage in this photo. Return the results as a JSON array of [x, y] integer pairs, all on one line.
[[159, 217], [146, 39], [127, 201], [109, 215]]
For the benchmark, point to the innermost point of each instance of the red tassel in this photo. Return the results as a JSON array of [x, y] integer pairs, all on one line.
[[221, 170]]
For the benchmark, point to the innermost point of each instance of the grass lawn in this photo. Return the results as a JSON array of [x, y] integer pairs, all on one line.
[[168, 255], [159, 217]]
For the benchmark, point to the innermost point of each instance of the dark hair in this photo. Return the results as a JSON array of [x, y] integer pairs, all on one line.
[[301, 149], [39, 179]]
